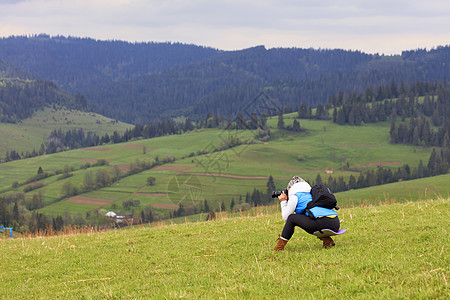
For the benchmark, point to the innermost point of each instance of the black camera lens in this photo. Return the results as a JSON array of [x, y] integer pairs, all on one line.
[[275, 194], [278, 193]]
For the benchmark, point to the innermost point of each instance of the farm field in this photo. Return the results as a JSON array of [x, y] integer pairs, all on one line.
[[217, 177], [389, 252]]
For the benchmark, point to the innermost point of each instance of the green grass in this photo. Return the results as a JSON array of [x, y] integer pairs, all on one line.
[[32, 132], [324, 146], [396, 251], [411, 190]]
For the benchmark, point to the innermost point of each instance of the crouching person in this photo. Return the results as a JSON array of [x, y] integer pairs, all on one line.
[[293, 207]]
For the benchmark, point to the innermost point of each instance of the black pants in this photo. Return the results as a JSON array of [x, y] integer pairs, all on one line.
[[308, 224]]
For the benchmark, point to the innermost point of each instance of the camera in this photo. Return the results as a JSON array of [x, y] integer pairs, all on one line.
[[275, 194]]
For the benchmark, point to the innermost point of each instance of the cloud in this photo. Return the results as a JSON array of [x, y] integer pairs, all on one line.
[[372, 26]]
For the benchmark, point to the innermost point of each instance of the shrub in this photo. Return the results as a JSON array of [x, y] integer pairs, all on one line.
[[151, 180], [301, 157], [33, 186]]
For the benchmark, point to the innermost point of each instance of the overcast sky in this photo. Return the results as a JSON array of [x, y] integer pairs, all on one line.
[[372, 26]]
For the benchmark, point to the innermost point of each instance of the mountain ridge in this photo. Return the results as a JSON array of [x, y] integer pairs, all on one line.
[[139, 82]]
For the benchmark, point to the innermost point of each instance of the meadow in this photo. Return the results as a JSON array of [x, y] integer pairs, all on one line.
[[200, 174], [30, 133], [395, 251], [399, 192]]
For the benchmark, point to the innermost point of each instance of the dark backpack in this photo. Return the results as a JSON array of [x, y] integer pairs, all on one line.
[[323, 197]]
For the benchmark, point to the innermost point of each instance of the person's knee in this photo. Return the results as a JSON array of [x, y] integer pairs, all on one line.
[[290, 219]]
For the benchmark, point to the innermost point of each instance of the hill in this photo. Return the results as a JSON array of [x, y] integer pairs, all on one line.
[[142, 81], [290, 77], [9, 71], [78, 64], [20, 98], [399, 192], [191, 176], [31, 108], [390, 251], [30, 133]]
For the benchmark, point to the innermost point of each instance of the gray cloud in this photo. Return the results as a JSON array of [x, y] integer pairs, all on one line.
[[371, 26]]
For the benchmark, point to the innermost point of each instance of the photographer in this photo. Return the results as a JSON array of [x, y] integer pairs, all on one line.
[[293, 207]]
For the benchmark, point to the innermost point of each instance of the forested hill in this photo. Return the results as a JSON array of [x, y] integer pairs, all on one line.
[[79, 64], [9, 71], [21, 94], [138, 82], [289, 76]]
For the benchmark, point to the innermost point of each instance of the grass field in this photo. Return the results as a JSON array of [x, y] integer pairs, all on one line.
[[219, 176], [396, 251], [32, 132], [411, 190]]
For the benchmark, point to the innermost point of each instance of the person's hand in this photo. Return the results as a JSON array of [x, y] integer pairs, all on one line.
[[283, 197]]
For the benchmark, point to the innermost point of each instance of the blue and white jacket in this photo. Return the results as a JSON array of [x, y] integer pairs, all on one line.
[[299, 197]]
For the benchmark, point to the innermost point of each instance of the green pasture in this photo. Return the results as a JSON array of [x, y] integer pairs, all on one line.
[[336, 144], [396, 251], [173, 187], [115, 154], [411, 190], [194, 189], [64, 207], [311, 153], [217, 176], [30, 133]]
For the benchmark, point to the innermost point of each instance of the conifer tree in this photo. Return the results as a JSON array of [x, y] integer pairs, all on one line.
[[270, 185], [280, 124], [318, 179]]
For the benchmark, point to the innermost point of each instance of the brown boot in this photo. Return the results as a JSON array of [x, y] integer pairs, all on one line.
[[327, 242], [280, 244]]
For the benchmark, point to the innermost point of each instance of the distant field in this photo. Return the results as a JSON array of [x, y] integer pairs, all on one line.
[[396, 251], [219, 177], [31, 132], [399, 192]]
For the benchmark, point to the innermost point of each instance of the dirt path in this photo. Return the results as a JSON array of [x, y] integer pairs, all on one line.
[[164, 206], [90, 201]]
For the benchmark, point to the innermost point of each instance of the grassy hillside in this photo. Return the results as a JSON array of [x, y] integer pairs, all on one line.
[[390, 251], [411, 190], [399, 192], [32, 132], [216, 176]]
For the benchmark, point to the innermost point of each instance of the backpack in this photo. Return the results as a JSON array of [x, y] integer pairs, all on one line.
[[323, 197]]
